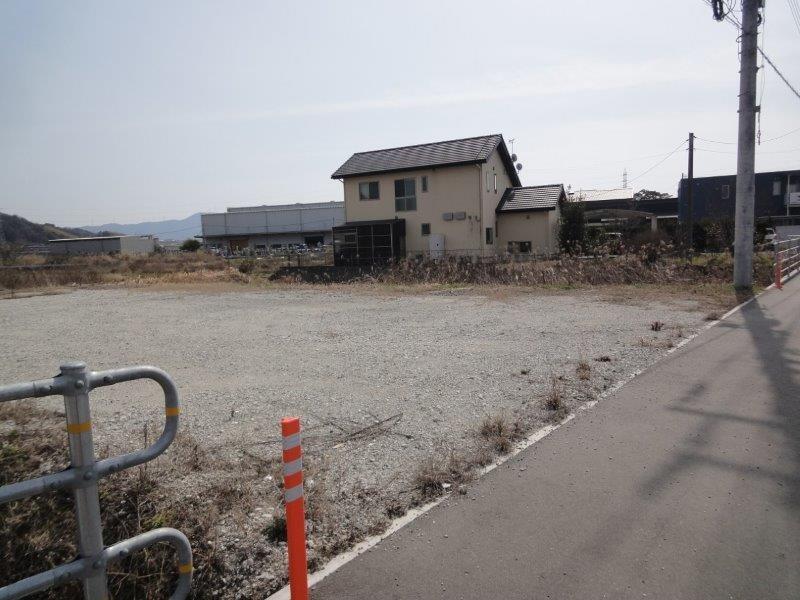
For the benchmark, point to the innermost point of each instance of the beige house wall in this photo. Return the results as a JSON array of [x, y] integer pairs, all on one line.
[[450, 190], [490, 198], [540, 228]]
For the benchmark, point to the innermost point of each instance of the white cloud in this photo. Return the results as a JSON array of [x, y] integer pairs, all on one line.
[[550, 80]]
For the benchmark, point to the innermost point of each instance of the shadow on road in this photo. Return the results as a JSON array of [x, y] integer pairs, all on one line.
[[770, 338]]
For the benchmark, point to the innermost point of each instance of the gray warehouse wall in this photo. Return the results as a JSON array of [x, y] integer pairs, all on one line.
[[98, 246], [137, 245]]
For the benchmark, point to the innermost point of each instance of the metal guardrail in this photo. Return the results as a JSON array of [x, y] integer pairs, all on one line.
[[787, 259], [75, 382]]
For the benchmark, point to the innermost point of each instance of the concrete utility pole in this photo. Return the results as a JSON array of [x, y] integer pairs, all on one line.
[[689, 202], [746, 160]]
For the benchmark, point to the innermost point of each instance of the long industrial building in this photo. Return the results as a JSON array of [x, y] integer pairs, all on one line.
[[110, 244], [259, 228]]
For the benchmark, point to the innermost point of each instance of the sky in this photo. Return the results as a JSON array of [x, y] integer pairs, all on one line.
[[123, 112]]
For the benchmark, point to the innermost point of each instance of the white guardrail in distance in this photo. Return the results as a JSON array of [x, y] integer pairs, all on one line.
[[75, 382]]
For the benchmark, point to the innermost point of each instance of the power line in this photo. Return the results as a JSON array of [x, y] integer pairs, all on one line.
[[781, 136], [772, 139], [714, 141], [735, 22], [777, 70], [680, 146], [795, 10], [758, 153]]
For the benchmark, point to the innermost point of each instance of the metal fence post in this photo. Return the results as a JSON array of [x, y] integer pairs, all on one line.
[[87, 497]]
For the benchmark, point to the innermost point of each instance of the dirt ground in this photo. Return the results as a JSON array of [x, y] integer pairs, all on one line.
[[382, 380]]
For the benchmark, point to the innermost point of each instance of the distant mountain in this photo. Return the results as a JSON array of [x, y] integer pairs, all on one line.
[[16, 230], [173, 229]]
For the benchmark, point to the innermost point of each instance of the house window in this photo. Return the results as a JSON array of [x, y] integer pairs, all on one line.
[[726, 192], [368, 190], [426, 229], [776, 188], [405, 194], [495, 183], [424, 183], [489, 235]]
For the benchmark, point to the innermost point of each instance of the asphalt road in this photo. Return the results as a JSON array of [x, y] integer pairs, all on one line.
[[684, 484]]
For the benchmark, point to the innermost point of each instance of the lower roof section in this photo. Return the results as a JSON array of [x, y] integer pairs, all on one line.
[[531, 198]]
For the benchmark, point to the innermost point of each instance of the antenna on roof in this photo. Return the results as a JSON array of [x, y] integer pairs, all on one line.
[[511, 141], [625, 179]]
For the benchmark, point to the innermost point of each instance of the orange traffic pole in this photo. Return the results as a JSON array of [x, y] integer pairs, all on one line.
[[778, 278], [295, 508]]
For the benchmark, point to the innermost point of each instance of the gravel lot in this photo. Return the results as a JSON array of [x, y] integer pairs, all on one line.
[[340, 358]]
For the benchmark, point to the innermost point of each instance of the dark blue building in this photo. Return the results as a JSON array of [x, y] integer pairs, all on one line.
[[714, 198]]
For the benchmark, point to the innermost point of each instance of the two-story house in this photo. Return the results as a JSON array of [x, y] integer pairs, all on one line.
[[458, 197]]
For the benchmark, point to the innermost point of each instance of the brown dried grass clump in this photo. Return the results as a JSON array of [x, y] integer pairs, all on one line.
[[583, 371], [500, 433]]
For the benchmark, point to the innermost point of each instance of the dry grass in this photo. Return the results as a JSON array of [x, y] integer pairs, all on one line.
[[39, 533], [584, 370], [185, 268], [656, 343], [555, 401], [439, 473], [500, 433], [570, 271], [229, 508]]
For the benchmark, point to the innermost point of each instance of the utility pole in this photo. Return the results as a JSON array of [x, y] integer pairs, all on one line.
[[689, 200], [746, 159]]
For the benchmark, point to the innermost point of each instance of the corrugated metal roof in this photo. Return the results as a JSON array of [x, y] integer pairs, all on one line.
[[597, 195], [537, 197], [436, 154]]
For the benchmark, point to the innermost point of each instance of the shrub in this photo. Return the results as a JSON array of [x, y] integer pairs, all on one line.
[[572, 229], [247, 266], [190, 245]]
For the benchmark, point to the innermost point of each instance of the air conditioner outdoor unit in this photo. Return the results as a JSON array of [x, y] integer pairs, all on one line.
[[793, 198]]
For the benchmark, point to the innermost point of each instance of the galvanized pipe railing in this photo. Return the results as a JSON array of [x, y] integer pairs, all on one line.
[[74, 383], [787, 259]]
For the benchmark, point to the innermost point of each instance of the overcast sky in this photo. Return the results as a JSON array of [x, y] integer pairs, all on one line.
[[133, 111]]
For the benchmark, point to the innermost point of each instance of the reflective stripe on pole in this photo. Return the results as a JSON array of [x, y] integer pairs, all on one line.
[[87, 496], [295, 508]]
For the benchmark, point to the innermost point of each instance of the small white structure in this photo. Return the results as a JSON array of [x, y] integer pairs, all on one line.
[[113, 244], [436, 245], [259, 228]]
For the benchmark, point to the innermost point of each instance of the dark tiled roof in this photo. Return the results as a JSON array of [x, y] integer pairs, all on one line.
[[438, 154], [538, 197]]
